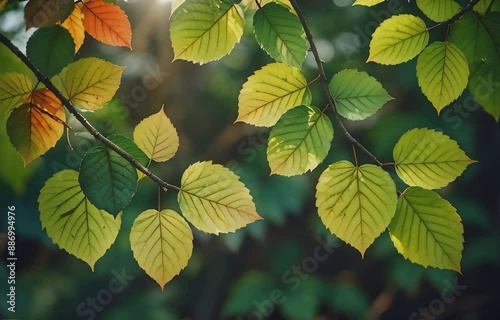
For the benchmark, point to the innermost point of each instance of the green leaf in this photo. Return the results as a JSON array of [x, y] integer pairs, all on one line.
[[205, 30], [270, 92], [439, 10], [72, 221], [367, 3], [51, 49], [89, 83], [483, 85], [157, 137], [398, 39], [478, 37], [429, 159], [357, 95], [482, 6], [130, 147], [356, 203], [280, 33], [108, 180], [300, 141], [14, 88], [162, 243], [427, 230], [214, 200], [442, 73]]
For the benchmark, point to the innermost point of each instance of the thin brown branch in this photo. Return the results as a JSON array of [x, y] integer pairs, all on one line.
[[324, 80], [452, 20], [72, 109]]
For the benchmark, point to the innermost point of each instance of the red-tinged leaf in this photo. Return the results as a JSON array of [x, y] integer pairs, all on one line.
[[46, 13], [46, 100], [14, 87], [74, 24], [32, 131], [107, 23]]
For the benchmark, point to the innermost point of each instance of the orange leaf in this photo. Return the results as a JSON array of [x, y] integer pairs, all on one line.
[[46, 13], [33, 132], [74, 24], [107, 23], [2, 4]]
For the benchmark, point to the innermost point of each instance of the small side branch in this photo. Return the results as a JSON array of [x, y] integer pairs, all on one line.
[[72, 109], [452, 20], [324, 80]]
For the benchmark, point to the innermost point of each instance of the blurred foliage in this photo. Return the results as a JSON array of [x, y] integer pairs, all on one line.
[[233, 276]]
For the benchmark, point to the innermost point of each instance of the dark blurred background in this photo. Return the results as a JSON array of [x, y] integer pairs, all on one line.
[[286, 266]]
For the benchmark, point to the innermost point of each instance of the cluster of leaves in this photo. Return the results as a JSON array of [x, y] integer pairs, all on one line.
[[357, 203], [81, 211], [469, 55]]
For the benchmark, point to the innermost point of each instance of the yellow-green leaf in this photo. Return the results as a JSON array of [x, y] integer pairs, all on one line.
[[280, 33], [439, 10], [482, 6], [162, 243], [270, 92], [299, 142], [357, 94], [398, 39], [427, 230], [214, 200], [285, 3], [157, 137], [442, 73], [356, 203], [72, 221], [32, 131], [429, 159], [14, 87], [89, 83], [205, 30], [367, 3]]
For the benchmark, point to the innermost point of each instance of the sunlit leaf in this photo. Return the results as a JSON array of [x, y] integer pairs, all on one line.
[[74, 24], [107, 23], [46, 13], [367, 3], [205, 30], [89, 83], [429, 159], [162, 243], [483, 85], [175, 4], [280, 33], [270, 92], [51, 49], [33, 132], [398, 39], [478, 37], [427, 230], [107, 179], [357, 95], [442, 73], [214, 200], [439, 10], [72, 221], [299, 141], [13, 88], [356, 203], [157, 137]]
